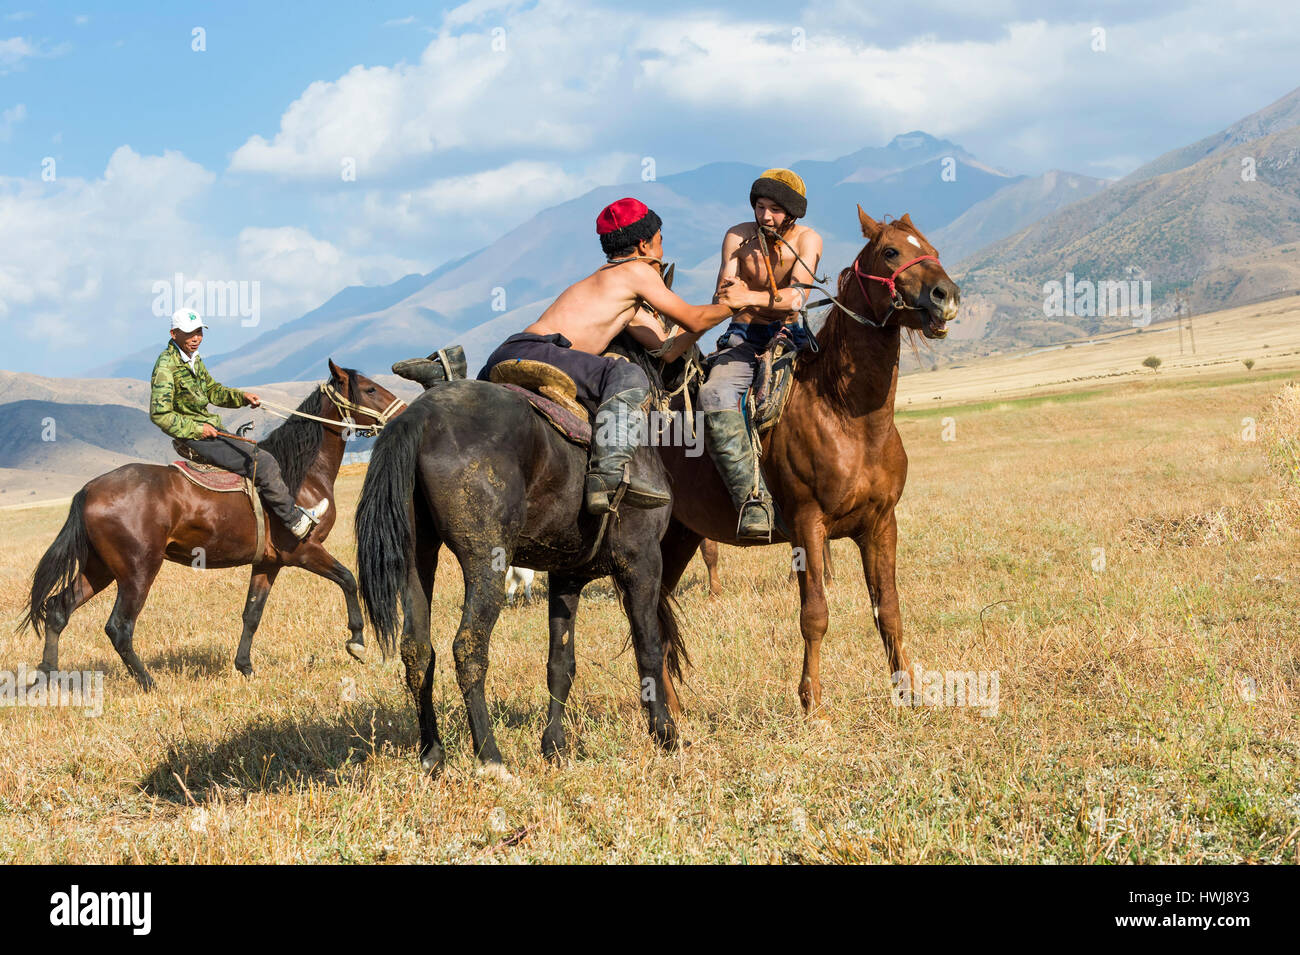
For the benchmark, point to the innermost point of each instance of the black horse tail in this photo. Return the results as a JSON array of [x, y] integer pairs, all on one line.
[[670, 631], [670, 635], [385, 522], [55, 580]]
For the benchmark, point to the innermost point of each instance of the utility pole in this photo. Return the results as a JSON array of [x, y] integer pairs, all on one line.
[[1191, 334]]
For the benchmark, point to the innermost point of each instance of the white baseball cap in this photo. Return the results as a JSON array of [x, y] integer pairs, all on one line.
[[187, 320]]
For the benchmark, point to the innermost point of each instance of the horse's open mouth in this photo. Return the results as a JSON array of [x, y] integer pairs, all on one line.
[[936, 326]]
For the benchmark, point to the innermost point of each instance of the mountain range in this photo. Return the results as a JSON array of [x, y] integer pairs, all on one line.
[[1211, 224], [934, 179]]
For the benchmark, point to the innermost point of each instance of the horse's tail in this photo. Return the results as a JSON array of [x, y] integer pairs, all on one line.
[[385, 523], [670, 631], [59, 569], [670, 635]]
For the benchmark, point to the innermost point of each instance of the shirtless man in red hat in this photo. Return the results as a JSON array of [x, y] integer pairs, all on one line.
[[579, 325]]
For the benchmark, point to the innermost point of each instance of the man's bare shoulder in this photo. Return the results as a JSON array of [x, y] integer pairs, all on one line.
[[805, 237]]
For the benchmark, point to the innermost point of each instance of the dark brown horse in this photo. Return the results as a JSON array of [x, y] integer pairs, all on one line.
[[834, 462], [122, 526]]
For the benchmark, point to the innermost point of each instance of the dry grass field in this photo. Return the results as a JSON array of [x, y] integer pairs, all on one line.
[[1122, 555]]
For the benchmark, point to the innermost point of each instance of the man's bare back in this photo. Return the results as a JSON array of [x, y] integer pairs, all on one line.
[[590, 313]]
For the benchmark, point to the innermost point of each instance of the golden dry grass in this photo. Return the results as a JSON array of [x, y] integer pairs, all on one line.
[[1147, 712], [1267, 334]]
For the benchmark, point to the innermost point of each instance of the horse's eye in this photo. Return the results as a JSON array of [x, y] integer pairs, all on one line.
[[370, 391], [891, 253]]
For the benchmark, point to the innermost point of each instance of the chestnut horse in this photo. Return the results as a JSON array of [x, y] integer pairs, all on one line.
[[834, 462], [123, 524]]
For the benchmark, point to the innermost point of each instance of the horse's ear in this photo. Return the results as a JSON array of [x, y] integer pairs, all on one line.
[[907, 220], [335, 371], [870, 227]]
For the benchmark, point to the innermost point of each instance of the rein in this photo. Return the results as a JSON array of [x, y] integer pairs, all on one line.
[[345, 408], [895, 297]]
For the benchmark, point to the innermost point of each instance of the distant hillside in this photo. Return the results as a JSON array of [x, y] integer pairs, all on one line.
[[1200, 232], [371, 328], [1011, 209], [86, 438], [1273, 118]]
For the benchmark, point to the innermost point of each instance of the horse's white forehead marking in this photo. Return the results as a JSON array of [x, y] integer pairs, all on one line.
[[912, 239]]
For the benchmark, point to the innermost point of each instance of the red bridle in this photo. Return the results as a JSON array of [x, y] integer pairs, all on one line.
[[895, 299]]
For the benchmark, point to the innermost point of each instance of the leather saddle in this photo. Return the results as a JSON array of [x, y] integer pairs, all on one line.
[[206, 475], [766, 398], [552, 394]]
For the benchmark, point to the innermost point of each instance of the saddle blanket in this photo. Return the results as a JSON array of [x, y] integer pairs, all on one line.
[[211, 477]]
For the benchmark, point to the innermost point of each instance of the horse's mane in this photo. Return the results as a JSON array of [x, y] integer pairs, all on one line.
[[294, 444], [831, 340]]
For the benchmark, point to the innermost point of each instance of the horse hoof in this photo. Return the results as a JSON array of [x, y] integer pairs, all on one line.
[[432, 765], [356, 650], [248, 672], [496, 771], [555, 749]]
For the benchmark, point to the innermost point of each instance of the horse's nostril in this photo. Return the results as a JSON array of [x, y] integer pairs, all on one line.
[[938, 294]]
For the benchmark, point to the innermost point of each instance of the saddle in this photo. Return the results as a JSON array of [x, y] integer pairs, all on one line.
[[212, 478], [552, 394], [766, 398]]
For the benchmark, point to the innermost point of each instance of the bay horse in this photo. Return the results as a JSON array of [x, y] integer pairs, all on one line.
[[122, 526], [834, 462], [472, 465]]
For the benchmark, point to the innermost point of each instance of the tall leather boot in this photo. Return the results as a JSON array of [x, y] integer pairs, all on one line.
[[619, 425], [727, 439], [447, 365]]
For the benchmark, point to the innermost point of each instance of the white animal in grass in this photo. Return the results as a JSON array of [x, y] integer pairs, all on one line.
[[517, 576]]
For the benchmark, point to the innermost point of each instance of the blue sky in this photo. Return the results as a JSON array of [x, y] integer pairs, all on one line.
[[464, 120]]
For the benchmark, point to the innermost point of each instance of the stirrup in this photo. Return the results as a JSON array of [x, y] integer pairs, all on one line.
[[767, 509], [642, 498], [311, 516]]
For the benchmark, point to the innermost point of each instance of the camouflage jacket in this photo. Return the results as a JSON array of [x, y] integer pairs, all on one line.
[[180, 393]]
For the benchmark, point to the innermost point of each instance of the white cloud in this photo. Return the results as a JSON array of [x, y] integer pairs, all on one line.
[[78, 258], [573, 80], [490, 201], [12, 53], [17, 50]]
